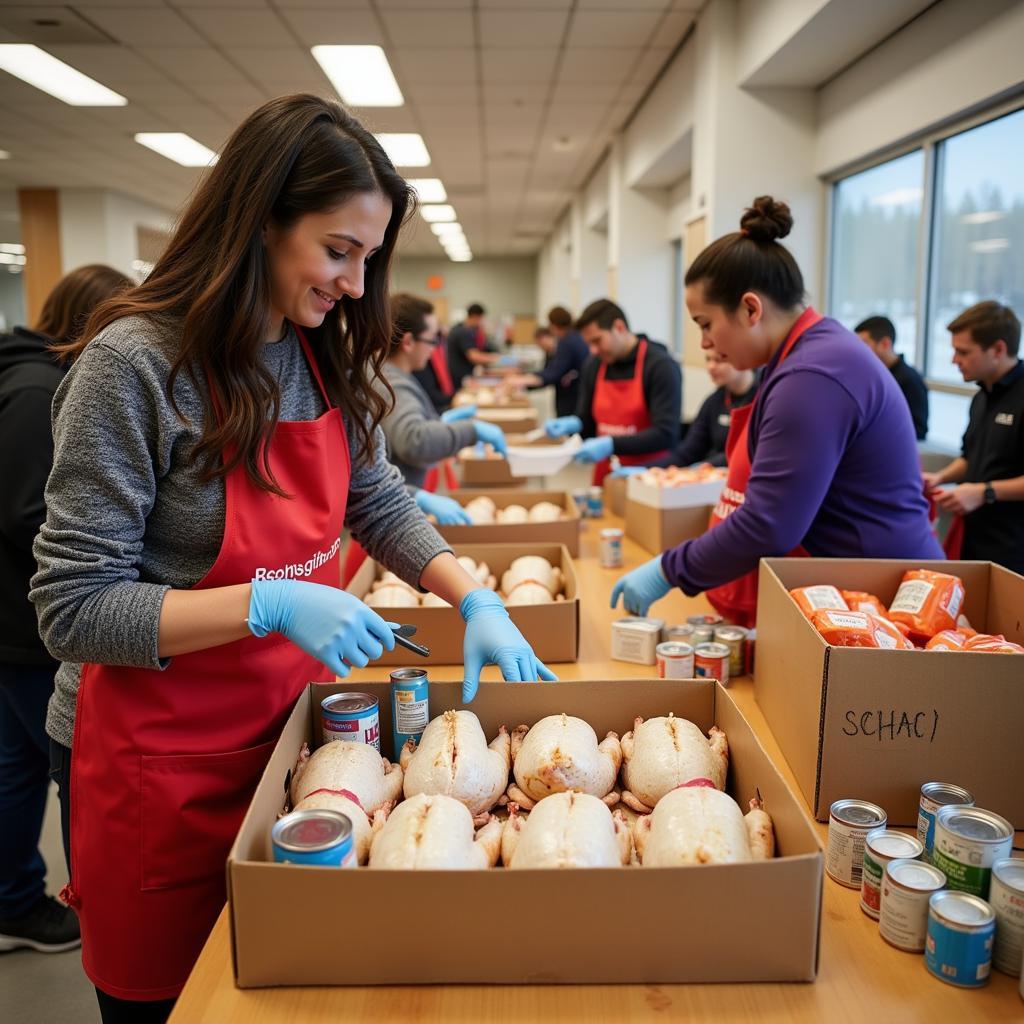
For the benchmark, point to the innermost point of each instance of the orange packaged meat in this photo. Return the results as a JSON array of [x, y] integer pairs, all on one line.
[[947, 640], [860, 601], [858, 629], [997, 644], [927, 602], [812, 599]]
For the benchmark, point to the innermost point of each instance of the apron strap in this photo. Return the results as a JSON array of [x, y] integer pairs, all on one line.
[[314, 367]]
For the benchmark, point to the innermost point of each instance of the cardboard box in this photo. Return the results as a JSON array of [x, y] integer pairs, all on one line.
[[563, 531], [717, 923], [615, 495], [877, 724], [695, 495], [496, 472], [553, 630], [658, 529], [512, 420]]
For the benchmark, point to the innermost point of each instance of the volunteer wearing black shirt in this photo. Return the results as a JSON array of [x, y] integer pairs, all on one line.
[[563, 364], [468, 346], [630, 394], [990, 472], [879, 334]]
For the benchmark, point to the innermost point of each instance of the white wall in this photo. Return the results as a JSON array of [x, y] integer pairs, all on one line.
[[503, 286], [98, 226]]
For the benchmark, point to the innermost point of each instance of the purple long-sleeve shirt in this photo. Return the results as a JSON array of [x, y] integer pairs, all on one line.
[[834, 467]]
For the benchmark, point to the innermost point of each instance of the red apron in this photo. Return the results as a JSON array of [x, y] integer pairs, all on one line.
[[619, 408], [164, 764], [736, 601]]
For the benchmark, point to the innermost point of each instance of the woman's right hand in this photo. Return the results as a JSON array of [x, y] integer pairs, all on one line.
[[491, 434], [329, 624]]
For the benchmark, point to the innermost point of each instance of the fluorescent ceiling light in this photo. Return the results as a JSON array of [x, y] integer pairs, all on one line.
[[983, 216], [361, 74], [437, 213], [12, 259], [461, 257], [985, 245], [4, 155], [14, 247], [447, 229], [429, 190], [45, 72], [179, 147], [405, 149], [460, 245]]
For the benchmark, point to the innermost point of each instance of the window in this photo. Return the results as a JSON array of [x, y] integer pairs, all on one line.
[[978, 234], [877, 228]]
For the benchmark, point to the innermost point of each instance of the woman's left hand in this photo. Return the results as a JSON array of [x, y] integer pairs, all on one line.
[[640, 588], [493, 638], [447, 511]]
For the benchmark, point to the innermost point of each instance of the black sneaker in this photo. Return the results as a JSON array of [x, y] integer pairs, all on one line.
[[49, 927]]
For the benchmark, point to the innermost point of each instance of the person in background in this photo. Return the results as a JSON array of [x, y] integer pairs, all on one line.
[[705, 440], [416, 436], [469, 347], [879, 334], [29, 376], [564, 364], [436, 378], [630, 394], [822, 462], [990, 470], [215, 432]]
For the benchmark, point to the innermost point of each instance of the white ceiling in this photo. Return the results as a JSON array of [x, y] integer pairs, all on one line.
[[516, 99]]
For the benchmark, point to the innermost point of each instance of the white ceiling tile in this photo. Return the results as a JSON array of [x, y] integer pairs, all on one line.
[[674, 26], [525, 5], [189, 115], [429, 28], [597, 65], [612, 28], [187, 5], [585, 92], [290, 67], [346, 5], [239, 28], [148, 27], [115, 66], [625, 5], [449, 65], [515, 92], [315, 26], [195, 66], [148, 93], [458, 119], [515, 66], [443, 93], [536, 29], [417, 5]]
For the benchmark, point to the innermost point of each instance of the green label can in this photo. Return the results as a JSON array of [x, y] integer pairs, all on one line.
[[881, 846], [968, 841]]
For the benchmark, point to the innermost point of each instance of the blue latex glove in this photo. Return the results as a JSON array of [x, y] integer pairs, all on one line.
[[329, 624], [641, 587], [624, 471], [461, 412], [563, 426], [491, 434], [493, 638], [595, 449], [507, 361], [447, 511]]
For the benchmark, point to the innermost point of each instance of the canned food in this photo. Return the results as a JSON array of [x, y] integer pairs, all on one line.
[[682, 634], [906, 888], [611, 547], [849, 822], [354, 717], [595, 502], [675, 660], [410, 705], [703, 634], [881, 846], [734, 637], [636, 639], [961, 929], [580, 497], [317, 836], [933, 796], [751, 646], [711, 661], [1006, 897], [705, 619], [968, 841]]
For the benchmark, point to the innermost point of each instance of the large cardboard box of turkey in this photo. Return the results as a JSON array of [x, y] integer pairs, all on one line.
[[492, 472], [559, 531], [553, 630], [877, 724], [757, 921]]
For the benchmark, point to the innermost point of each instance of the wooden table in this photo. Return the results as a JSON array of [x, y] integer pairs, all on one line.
[[860, 978]]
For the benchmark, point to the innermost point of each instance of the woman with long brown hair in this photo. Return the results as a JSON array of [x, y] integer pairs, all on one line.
[[215, 432]]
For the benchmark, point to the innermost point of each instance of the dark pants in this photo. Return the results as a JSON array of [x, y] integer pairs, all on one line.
[[24, 763], [112, 1010]]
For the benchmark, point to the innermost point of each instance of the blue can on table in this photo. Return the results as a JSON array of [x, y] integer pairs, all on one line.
[[961, 933], [317, 836], [595, 502], [410, 705]]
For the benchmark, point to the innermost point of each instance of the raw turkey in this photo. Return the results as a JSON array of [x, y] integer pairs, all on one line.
[[529, 592], [389, 579], [362, 827], [433, 601], [545, 512], [662, 753], [567, 830], [434, 831], [561, 753], [454, 759], [701, 825], [480, 571], [512, 514], [481, 510], [391, 596], [354, 770], [534, 569]]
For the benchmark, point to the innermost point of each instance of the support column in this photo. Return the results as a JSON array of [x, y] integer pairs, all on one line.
[[39, 213]]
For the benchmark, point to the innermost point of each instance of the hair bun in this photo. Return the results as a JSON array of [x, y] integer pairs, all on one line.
[[766, 220]]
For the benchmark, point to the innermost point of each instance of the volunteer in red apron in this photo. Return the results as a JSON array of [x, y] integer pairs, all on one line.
[[630, 394], [271, 298], [823, 462]]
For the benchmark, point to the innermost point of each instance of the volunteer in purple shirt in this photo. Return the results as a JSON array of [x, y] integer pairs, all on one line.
[[823, 462]]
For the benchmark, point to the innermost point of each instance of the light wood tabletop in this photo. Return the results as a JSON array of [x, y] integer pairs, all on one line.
[[860, 976]]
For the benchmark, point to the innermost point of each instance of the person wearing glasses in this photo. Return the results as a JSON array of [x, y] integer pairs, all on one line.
[[417, 437]]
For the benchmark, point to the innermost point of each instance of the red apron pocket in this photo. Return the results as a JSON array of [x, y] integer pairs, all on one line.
[[191, 807]]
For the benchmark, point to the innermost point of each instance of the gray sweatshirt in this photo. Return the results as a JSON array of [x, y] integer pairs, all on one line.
[[127, 517], [416, 436]]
